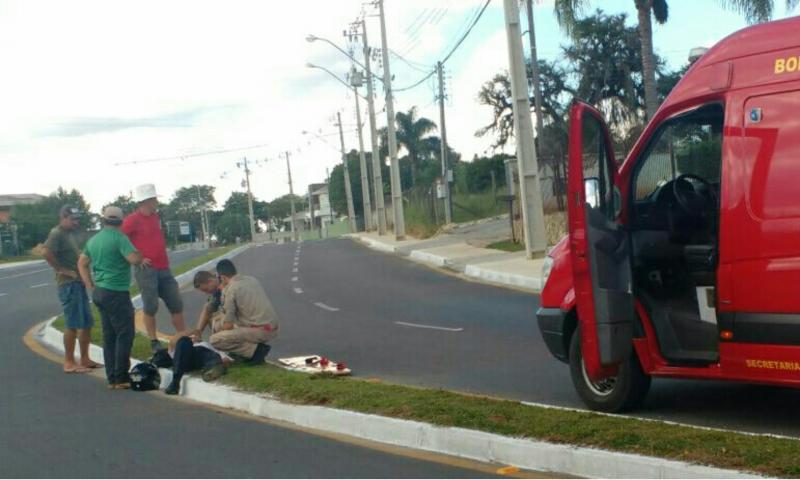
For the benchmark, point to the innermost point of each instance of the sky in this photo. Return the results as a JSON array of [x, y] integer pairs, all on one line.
[[93, 91]]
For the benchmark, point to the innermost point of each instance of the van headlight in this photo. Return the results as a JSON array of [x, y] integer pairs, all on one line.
[[547, 267]]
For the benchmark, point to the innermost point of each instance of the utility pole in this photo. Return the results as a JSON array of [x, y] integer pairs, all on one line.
[[348, 193], [249, 200], [291, 197], [448, 201], [397, 189], [537, 89], [201, 206], [377, 161], [362, 158], [530, 190], [330, 204]]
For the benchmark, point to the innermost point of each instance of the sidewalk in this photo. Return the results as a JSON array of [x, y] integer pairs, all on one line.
[[455, 254]]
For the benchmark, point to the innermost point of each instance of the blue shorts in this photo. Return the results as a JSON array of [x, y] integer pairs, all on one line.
[[75, 302]]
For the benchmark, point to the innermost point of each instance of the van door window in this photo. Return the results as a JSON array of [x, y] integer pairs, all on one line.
[[599, 179], [688, 151]]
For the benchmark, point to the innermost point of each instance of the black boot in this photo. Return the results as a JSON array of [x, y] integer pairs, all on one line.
[[262, 349], [174, 386]]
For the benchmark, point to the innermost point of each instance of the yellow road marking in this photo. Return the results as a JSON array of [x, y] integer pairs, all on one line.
[[30, 341], [509, 470]]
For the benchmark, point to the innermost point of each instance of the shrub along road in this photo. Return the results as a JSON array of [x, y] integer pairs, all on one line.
[[402, 322]]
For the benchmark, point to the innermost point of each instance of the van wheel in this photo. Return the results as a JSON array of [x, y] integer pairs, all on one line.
[[622, 392]]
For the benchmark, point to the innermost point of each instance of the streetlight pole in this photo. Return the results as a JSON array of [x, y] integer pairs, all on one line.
[[249, 200], [397, 189], [448, 202], [530, 190], [363, 164], [373, 130], [291, 197], [348, 193]]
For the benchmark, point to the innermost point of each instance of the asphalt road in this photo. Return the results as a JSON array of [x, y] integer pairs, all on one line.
[[390, 318], [71, 426]]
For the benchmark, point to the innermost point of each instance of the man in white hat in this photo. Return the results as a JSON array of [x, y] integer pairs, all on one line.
[[154, 278]]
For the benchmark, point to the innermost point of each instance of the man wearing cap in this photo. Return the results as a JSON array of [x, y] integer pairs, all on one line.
[[155, 279], [105, 268], [61, 251]]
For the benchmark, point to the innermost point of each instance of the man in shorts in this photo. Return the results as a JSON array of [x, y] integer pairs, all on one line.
[[61, 251], [105, 267], [155, 280]]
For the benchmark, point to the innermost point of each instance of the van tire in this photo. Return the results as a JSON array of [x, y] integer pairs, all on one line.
[[626, 392]]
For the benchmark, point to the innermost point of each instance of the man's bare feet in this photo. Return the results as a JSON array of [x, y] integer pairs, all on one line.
[[90, 364], [72, 368]]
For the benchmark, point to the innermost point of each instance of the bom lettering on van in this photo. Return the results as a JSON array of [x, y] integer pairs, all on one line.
[[773, 365], [787, 65]]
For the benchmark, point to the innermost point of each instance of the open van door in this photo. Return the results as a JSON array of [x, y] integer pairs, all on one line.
[[600, 247]]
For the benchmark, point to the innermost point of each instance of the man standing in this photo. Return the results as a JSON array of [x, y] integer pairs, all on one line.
[[61, 250], [248, 320], [155, 281], [109, 255]]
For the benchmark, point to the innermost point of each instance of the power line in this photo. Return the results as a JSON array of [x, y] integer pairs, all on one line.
[[450, 53], [192, 155]]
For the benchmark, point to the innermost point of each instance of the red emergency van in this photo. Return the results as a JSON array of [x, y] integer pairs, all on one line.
[[683, 260]]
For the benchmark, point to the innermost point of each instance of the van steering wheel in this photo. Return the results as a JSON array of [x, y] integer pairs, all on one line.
[[691, 201]]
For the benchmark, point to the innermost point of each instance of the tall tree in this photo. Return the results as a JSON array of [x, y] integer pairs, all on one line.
[[756, 11], [35, 221], [566, 15], [413, 133]]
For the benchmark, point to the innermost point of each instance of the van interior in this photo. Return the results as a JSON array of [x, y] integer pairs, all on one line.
[[674, 222]]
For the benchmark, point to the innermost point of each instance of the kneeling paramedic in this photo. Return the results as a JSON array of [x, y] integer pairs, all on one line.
[[247, 320]]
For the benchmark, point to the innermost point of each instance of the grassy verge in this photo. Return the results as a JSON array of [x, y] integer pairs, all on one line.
[[761, 454], [507, 246], [21, 258]]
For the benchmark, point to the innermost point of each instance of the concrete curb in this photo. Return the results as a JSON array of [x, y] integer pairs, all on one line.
[[458, 442], [475, 271], [493, 276], [5, 266]]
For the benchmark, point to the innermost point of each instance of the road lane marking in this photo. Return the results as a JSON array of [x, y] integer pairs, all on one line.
[[25, 273], [326, 307], [40, 285], [294, 270], [294, 279], [3, 294], [298, 290], [431, 327]]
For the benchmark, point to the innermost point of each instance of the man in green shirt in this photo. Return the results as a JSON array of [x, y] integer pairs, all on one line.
[[61, 250], [109, 255]]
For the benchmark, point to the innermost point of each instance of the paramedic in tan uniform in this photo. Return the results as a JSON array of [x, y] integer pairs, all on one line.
[[247, 321]]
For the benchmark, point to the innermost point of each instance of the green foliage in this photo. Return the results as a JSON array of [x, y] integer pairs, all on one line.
[[186, 204], [478, 172], [281, 208], [336, 188], [35, 221], [125, 202], [475, 206], [229, 225]]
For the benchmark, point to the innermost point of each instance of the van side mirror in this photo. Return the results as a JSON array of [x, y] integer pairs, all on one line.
[[591, 189]]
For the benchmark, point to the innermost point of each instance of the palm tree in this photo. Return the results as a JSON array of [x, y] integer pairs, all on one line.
[[413, 134], [754, 11]]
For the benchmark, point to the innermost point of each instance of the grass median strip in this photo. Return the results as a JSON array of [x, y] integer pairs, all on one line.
[[762, 454]]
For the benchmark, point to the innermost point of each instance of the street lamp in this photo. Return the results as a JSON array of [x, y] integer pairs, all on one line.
[[349, 86], [314, 38]]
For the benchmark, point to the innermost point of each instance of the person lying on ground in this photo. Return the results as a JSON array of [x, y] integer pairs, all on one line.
[[247, 321], [61, 251], [190, 354]]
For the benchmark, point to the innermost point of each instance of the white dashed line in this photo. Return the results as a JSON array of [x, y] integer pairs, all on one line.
[[298, 290], [40, 285], [3, 294], [294, 270], [295, 279], [326, 307], [431, 327]]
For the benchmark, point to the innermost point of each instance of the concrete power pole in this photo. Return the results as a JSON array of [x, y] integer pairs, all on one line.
[[397, 189], [537, 89], [377, 161], [250, 201], [348, 193], [363, 165], [203, 226], [448, 200], [291, 198], [530, 190]]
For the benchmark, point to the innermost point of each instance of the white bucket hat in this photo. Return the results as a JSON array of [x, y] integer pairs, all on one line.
[[144, 192]]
